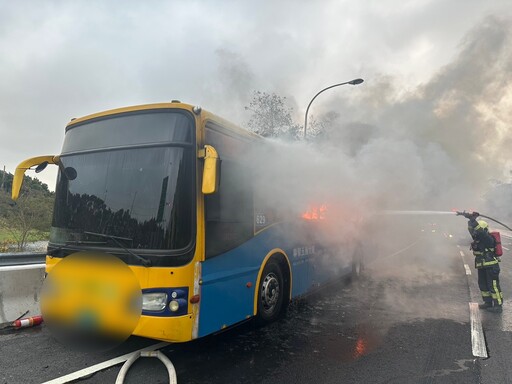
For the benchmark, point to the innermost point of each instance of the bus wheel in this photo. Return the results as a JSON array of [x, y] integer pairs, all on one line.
[[270, 293]]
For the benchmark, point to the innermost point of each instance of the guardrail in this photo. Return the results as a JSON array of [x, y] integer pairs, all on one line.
[[21, 279], [22, 258]]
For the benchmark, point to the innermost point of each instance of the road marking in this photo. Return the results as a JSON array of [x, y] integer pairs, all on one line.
[[402, 250], [458, 246], [21, 267], [468, 271], [461, 253], [477, 332], [376, 261], [505, 248], [101, 366]]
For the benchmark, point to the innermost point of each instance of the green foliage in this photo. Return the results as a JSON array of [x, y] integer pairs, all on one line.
[[29, 184], [27, 218]]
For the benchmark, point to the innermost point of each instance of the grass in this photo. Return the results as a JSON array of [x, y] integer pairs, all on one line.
[[7, 241], [6, 236]]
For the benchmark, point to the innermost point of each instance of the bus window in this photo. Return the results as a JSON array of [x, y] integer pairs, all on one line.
[[229, 212], [132, 177]]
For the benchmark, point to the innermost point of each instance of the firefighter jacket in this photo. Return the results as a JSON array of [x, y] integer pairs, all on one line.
[[483, 249]]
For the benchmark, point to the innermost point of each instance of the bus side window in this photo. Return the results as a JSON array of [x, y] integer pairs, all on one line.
[[229, 212]]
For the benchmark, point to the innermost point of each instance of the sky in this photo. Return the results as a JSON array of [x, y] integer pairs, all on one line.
[[436, 96]]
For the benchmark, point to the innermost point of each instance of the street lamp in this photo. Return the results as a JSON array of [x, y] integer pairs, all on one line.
[[351, 82]]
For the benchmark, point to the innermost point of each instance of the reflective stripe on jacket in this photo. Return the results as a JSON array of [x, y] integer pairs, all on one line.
[[485, 260]]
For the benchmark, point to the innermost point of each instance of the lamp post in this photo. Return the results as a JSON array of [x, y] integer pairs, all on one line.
[[351, 82]]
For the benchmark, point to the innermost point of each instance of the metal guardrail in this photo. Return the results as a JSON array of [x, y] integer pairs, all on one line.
[[21, 258]]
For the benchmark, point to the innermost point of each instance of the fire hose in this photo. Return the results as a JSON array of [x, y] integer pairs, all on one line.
[[468, 215], [159, 355]]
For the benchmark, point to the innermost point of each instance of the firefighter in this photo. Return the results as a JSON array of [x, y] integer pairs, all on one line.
[[486, 263]]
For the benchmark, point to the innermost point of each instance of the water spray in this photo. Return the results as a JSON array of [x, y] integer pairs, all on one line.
[[416, 213], [463, 213]]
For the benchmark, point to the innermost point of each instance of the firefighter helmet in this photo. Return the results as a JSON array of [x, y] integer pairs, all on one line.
[[482, 225]]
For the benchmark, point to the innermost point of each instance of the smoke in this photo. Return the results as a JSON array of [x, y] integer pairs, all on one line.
[[435, 147], [456, 123], [234, 81]]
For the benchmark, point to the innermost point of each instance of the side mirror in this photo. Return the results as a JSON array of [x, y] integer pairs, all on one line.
[[41, 167], [40, 161], [211, 170]]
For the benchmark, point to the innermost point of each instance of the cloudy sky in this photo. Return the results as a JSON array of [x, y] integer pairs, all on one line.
[[437, 68]]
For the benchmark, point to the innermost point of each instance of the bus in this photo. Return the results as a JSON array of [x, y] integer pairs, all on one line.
[[169, 189]]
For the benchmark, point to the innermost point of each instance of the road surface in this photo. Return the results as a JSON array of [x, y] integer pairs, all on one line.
[[406, 320]]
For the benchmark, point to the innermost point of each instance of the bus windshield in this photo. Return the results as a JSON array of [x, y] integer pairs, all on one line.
[[138, 196]]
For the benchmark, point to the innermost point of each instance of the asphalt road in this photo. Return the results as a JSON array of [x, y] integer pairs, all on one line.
[[406, 320]]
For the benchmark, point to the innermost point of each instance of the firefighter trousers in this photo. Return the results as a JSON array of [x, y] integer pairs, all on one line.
[[489, 284]]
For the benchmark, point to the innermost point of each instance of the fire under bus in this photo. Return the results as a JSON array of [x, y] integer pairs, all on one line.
[[144, 184]]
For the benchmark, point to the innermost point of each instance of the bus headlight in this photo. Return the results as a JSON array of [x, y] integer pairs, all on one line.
[[174, 305], [154, 301], [165, 301]]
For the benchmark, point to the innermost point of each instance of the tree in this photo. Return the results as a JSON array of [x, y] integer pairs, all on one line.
[[271, 117], [30, 214]]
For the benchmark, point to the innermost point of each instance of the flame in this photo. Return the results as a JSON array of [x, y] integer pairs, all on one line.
[[361, 347], [315, 212]]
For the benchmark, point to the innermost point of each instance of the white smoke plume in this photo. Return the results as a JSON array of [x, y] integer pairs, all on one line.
[[435, 147]]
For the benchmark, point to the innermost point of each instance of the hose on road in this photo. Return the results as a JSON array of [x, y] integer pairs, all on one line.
[[159, 355]]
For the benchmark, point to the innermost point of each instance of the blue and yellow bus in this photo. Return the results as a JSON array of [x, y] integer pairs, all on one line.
[[168, 189]]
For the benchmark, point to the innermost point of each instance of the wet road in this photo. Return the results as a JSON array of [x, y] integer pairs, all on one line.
[[407, 320]]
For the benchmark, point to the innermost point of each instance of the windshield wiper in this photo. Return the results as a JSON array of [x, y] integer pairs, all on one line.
[[54, 250], [145, 262], [81, 242]]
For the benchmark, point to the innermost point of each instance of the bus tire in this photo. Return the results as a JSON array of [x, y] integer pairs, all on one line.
[[271, 292]]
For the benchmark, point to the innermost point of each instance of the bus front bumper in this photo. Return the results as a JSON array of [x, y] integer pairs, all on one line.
[[173, 329]]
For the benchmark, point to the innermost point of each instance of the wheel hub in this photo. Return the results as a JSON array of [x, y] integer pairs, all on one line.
[[270, 292]]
